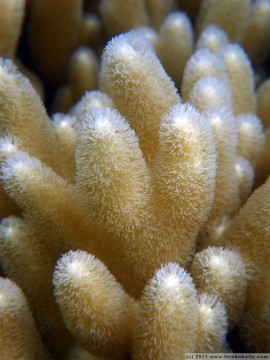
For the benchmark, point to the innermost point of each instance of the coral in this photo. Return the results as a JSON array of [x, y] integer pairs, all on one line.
[[53, 33], [19, 337], [82, 76], [212, 38], [231, 15], [213, 325], [241, 78], [161, 317], [251, 138], [221, 272], [134, 151], [263, 102], [227, 199], [133, 14], [172, 53], [255, 41], [99, 314], [11, 18]]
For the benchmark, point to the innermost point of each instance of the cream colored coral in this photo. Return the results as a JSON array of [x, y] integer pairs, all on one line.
[[152, 174], [173, 53], [11, 20], [184, 184], [21, 111], [82, 76], [202, 63], [251, 138], [263, 168], [139, 88], [49, 205], [25, 262], [121, 15], [158, 10], [83, 69], [212, 38], [54, 33], [249, 230], [167, 317], [91, 30], [8, 145], [91, 100], [231, 15], [19, 337], [114, 182], [245, 175], [241, 78], [213, 325], [221, 272], [263, 102], [95, 308], [254, 328], [209, 92], [77, 353], [227, 201], [255, 41], [66, 131]]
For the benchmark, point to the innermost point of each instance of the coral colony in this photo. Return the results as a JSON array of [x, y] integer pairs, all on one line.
[[135, 207]]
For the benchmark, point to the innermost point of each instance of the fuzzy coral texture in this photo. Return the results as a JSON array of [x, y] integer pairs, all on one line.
[[135, 203]]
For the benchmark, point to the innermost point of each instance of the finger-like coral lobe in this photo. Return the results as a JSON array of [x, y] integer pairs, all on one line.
[[33, 272], [21, 111], [35, 187], [227, 201], [50, 50], [11, 18], [212, 38], [94, 306], [184, 185], [174, 54], [230, 15], [213, 324], [167, 317], [113, 181], [209, 92], [19, 337], [113, 166], [140, 89], [256, 37], [202, 63], [221, 272], [241, 78], [249, 230], [91, 100], [251, 138]]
